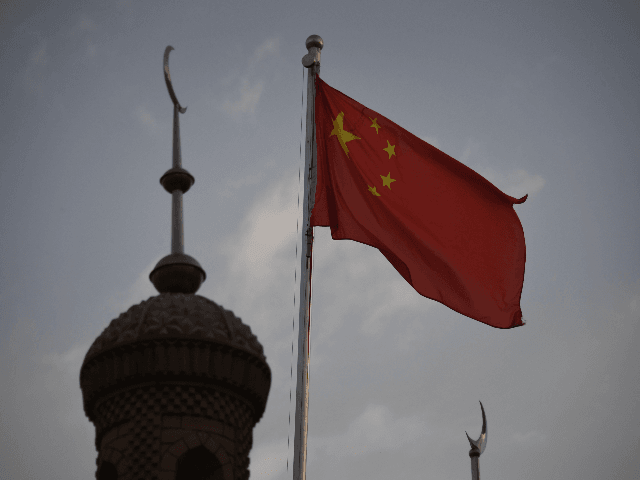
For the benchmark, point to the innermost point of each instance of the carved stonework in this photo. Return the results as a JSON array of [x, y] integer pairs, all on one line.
[[175, 368], [145, 430], [177, 315]]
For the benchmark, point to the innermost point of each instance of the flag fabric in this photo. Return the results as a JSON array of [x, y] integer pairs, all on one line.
[[448, 231]]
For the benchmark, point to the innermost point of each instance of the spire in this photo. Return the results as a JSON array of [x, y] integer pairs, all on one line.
[[177, 272]]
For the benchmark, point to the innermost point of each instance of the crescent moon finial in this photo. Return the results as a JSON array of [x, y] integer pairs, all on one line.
[[167, 79], [481, 443]]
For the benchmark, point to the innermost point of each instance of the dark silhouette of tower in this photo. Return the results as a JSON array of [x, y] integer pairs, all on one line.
[[175, 384]]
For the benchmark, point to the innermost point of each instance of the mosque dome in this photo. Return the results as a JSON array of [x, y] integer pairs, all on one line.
[[182, 336], [177, 315]]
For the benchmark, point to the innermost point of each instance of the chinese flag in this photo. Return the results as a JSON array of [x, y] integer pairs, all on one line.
[[448, 231]]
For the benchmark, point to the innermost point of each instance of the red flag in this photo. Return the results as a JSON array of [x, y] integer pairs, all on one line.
[[448, 231]]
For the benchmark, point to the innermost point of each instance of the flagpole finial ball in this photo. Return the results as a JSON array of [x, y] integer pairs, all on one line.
[[314, 41], [314, 44]]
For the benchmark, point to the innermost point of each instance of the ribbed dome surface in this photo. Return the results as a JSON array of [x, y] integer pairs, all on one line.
[[177, 315]]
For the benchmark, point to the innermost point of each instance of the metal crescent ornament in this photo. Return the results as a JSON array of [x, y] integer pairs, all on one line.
[[480, 444], [167, 79]]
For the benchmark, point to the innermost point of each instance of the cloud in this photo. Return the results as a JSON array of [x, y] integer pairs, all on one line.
[[522, 181], [250, 90], [254, 177], [249, 98], [84, 28], [380, 297], [268, 460], [141, 289], [471, 149], [373, 431], [258, 259], [268, 228], [61, 361], [432, 141], [268, 47], [516, 183], [390, 295], [146, 118], [60, 375], [45, 402]]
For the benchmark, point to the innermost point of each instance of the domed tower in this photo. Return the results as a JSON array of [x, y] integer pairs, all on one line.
[[175, 384]]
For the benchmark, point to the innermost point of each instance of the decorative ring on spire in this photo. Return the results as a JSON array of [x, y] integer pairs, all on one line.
[[167, 79]]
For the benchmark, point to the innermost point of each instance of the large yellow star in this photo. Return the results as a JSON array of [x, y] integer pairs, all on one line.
[[386, 181], [373, 191], [343, 136], [374, 124], [390, 149]]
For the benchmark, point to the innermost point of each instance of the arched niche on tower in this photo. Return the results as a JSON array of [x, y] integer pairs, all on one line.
[[198, 464], [107, 471]]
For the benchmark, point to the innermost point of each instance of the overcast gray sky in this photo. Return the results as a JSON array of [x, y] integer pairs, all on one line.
[[540, 97]]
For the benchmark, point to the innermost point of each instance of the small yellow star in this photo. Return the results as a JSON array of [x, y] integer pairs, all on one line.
[[375, 124], [390, 149], [386, 181], [373, 191]]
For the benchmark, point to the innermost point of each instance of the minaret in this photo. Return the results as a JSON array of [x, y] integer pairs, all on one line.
[[175, 385]]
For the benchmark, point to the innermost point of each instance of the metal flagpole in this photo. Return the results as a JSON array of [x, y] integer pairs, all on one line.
[[311, 61]]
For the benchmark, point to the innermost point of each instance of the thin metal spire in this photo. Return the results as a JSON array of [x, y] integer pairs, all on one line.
[[177, 272], [311, 61]]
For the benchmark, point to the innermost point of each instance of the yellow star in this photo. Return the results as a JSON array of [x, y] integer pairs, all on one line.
[[343, 136], [390, 149], [386, 181], [375, 124], [373, 191]]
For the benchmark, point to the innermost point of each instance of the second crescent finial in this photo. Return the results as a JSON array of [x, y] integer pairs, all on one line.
[[480, 444], [167, 79]]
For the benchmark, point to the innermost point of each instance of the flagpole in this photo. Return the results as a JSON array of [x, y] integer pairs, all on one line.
[[312, 62]]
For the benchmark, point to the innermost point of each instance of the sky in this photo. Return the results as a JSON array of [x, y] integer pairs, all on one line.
[[540, 97]]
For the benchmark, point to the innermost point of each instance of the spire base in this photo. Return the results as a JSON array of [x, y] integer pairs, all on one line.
[[177, 273]]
